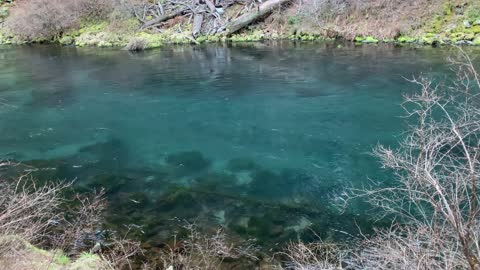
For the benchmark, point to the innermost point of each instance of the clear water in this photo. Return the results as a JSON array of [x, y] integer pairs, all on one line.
[[257, 138]]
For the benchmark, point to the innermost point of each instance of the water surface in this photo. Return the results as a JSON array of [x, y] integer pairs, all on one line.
[[257, 138]]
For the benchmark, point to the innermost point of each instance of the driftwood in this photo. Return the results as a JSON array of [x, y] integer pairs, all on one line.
[[248, 18], [206, 14]]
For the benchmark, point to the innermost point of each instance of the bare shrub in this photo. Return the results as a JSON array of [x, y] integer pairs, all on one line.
[[313, 256], [201, 251], [29, 211], [408, 248], [33, 19], [41, 215], [379, 18], [435, 192], [136, 44]]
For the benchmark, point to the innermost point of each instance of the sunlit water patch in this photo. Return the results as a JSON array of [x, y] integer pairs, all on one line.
[[260, 139]]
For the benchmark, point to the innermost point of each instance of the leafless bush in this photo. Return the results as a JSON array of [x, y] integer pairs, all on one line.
[[119, 251], [201, 251], [40, 214], [313, 256], [379, 18], [136, 44], [435, 192], [409, 248], [29, 211], [33, 19]]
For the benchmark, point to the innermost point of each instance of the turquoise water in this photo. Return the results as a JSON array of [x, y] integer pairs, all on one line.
[[260, 139]]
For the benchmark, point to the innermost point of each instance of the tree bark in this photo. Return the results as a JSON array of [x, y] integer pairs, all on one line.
[[248, 18]]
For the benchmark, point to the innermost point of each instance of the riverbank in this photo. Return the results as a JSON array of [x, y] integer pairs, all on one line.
[[448, 23]]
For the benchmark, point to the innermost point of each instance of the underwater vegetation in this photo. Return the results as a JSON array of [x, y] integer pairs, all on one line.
[[246, 199]]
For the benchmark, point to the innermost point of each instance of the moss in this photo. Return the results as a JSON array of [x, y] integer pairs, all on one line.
[[370, 39], [93, 27], [62, 259], [256, 35], [4, 11], [475, 29], [88, 261], [153, 41], [472, 13], [447, 7], [202, 39], [66, 40], [406, 39], [476, 41]]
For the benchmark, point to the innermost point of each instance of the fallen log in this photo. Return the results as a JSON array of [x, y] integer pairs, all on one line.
[[248, 18], [211, 6], [164, 18], [197, 24]]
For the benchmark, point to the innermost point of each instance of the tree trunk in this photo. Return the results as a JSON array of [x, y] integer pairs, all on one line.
[[197, 24], [250, 17]]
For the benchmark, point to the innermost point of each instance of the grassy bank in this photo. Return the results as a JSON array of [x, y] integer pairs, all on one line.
[[446, 22], [22, 255]]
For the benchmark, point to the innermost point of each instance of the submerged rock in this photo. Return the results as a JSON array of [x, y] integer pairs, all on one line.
[[179, 198], [216, 182], [188, 161], [241, 164], [111, 183]]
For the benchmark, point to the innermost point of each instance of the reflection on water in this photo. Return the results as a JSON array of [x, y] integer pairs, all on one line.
[[258, 138]]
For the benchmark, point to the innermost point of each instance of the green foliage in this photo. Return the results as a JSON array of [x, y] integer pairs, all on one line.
[[476, 41], [370, 39], [87, 256], [292, 20], [406, 39], [448, 7], [472, 13], [62, 259], [358, 39]]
